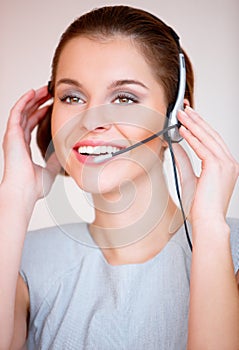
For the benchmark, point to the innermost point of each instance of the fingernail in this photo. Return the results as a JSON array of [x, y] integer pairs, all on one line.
[[183, 114], [189, 108]]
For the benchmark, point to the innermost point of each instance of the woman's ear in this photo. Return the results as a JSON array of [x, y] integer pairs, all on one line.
[[186, 103]]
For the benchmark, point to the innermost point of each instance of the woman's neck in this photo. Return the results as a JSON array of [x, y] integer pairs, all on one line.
[[133, 224]]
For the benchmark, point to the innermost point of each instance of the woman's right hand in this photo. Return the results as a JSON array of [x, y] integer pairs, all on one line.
[[21, 174]]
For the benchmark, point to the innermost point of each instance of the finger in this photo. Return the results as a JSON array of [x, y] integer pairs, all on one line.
[[37, 117], [206, 129], [203, 136], [41, 96], [18, 108], [200, 121], [202, 151], [34, 121], [14, 128], [39, 99]]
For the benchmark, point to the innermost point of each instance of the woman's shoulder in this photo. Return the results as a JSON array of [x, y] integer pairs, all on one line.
[[54, 250], [60, 236], [57, 239], [53, 257]]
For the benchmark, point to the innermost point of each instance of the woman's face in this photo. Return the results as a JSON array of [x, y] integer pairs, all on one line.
[[106, 99]]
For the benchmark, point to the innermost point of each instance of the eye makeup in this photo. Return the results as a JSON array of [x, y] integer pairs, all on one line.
[[72, 98], [125, 98], [117, 93]]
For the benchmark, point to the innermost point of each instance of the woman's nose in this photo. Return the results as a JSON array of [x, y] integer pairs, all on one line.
[[97, 119]]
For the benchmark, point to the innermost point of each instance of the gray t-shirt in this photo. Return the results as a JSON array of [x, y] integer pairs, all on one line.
[[78, 301]]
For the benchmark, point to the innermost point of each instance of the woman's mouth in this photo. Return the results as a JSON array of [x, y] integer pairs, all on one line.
[[97, 150], [91, 153]]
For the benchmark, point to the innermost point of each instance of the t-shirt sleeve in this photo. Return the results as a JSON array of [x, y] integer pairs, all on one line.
[[234, 239]]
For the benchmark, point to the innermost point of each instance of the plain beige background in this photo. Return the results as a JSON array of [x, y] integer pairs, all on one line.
[[30, 30]]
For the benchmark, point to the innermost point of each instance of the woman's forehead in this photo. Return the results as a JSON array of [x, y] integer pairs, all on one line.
[[116, 57], [113, 49]]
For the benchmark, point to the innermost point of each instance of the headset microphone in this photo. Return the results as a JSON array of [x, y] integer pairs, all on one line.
[[104, 157]]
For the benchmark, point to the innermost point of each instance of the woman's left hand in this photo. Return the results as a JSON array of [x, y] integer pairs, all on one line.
[[219, 171]]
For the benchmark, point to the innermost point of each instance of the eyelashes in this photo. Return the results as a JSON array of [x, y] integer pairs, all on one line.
[[72, 99], [125, 98], [122, 98]]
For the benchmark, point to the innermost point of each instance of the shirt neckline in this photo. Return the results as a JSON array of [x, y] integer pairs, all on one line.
[[179, 233]]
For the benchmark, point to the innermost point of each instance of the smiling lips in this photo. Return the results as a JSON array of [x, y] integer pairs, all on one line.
[[97, 150], [87, 151]]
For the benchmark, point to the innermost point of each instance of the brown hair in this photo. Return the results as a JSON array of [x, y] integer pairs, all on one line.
[[155, 39]]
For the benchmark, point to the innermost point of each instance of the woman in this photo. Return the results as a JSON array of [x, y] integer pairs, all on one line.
[[114, 79]]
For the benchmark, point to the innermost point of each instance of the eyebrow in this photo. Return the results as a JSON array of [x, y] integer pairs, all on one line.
[[118, 83], [69, 82], [114, 84]]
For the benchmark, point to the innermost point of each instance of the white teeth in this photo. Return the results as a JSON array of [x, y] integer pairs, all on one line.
[[104, 149], [97, 150]]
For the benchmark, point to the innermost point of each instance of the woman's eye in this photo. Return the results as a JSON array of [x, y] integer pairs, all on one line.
[[125, 99], [72, 100]]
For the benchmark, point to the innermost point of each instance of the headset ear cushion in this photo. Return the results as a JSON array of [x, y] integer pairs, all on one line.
[[173, 134], [49, 87]]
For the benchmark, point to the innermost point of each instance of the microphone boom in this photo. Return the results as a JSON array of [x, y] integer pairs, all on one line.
[[102, 158]]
